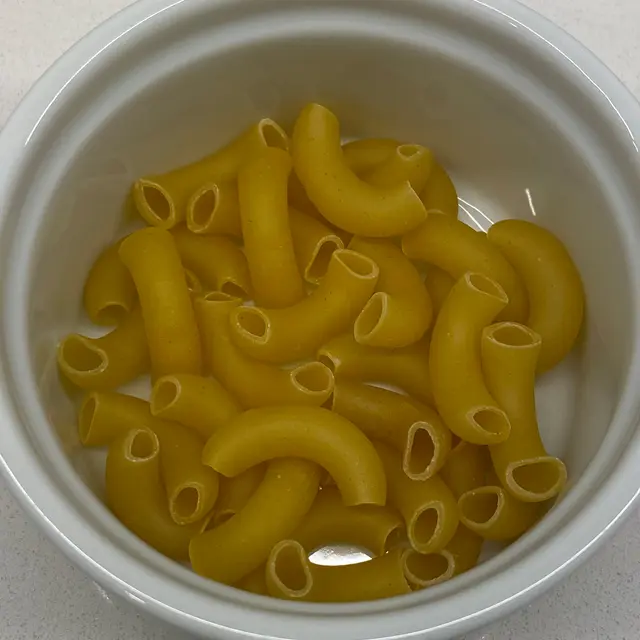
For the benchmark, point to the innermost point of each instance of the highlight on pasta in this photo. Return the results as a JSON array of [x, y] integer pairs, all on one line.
[[330, 358]]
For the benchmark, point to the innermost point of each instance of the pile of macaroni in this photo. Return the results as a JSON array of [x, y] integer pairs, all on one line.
[[264, 438]]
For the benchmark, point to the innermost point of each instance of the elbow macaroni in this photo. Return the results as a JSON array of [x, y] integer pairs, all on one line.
[[439, 194], [214, 209], [408, 163]]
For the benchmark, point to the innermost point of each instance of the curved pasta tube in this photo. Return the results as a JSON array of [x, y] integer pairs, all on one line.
[[456, 248], [509, 357], [202, 404], [297, 332], [162, 199], [314, 244], [235, 493], [217, 261], [329, 521], [240, 545], [336, 191], [291, 576], [410, 427], [191, 487], [214, 209], [428, 507], [494, 514], [400, 311], [170, 324], [409, 162], [423, 570], [459, 390], [253, 383], [109, 293], [109, 361], [304, 432], [464, 548], [193, 283], [135, 494], [439, 284], [255, 582], [407, 368], [264, 212], [466, 467], [362, 156], [552, 281], [439, 194]]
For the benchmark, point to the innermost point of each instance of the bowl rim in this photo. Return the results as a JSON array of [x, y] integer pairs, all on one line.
[[64, 525]]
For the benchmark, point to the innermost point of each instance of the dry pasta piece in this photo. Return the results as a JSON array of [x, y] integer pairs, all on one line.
[[135, 494], [170, 323], [340, 196], [464, 548], [291, 576], [253, 383], [109, 293], [218, 262], [439, 284], [362, 156], [240, 545], [235, 493], [162, 199], [509, 357], [107, 362], [466, 467], [297, 332], [407, 368], [329, 521], [314, 243], [428, 507], [255, 582], [202, 404], [194, 285], [214, 209], [459, 390], [410, 427], [312, 433], [408, 162], [400, 311], [424, 570], [440, 194], [552, 281], [268, 245], [456, 248]]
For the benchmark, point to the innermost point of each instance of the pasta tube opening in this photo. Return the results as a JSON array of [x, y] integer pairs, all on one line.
[[537, 479], [424, 527], [490, 421], [359, 264], [253, 323], [157, 206], [511, 334], [193, 283], [313, 378], [77, 355], [288, 570], [317, 268], [164, 393], [272, 134], [141, 445], [422, 452], [112, 313], [186, 504], [371, 317], [480, 507], [215, 208], [203, 209], [486, 285], [425, 570]]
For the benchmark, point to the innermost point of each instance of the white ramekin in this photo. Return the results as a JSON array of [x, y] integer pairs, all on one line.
[[530, 124]]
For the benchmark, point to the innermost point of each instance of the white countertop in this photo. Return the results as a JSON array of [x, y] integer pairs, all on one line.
[[43, 596]]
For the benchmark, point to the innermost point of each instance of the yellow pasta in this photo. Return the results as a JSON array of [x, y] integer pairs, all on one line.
[[214, 209], [297, 332], [439, 284], [362, 156], [191, 487], [291, 576], [423, 570], [509, 357], [170, 324], [235, 493], [312, 433], [407, 368], [400, 311], [340, 196], [440, 194], [135, 495], [409, 162], [162, 199], [459, 390], [202, 404], [193, 283], [314, 244], [109, 293], [466, 467], [428, 507], [412, 428], [329, 521], [552, 281], [255, 582], [262, 187], [218, 262], [253, 383], [464, 548], [456, 248], [240, 545], [109, 361]]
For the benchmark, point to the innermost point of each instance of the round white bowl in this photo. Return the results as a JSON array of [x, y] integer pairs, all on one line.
[[529, 124]]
